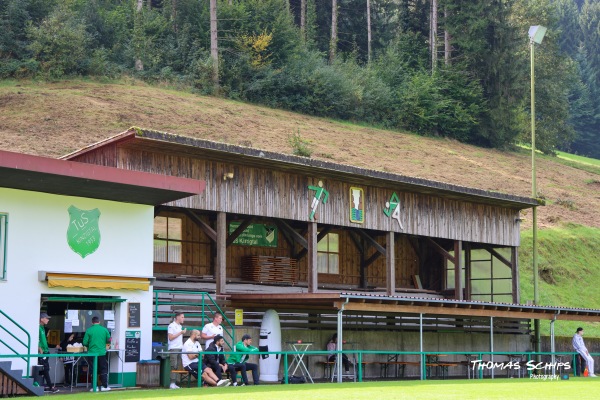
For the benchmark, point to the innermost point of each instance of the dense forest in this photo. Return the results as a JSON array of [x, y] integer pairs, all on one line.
[[452, 68]]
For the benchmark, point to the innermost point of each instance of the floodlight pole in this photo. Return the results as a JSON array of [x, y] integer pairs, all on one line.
[[536, 295]]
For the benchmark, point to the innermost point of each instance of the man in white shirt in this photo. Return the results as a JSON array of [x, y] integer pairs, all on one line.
[[212, 329], [175, 335], [579, 347], [190, 357]]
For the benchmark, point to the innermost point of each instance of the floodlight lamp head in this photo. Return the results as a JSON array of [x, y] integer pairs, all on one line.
[[537, 33]]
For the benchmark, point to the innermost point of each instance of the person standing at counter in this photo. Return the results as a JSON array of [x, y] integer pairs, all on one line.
[[175, 335], [96, 338], [43, 349], [68, 361]]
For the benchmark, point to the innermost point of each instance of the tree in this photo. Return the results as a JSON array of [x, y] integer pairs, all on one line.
[[214, 46], [59, 43], [369, 31], [588, 141], [334, 39], [433, 32], [139, 65]]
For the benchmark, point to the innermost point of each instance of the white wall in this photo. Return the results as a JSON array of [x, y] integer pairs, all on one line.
[[37, 241]]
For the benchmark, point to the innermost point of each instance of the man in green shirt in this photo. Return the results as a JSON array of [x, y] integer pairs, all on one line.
[[95, 339], [238, 361], [43, 349]]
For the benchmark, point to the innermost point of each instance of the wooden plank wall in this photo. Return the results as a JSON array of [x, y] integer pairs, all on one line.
[[197, 251], [281, 194]]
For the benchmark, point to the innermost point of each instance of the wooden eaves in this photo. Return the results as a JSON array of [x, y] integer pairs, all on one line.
[[365, 303]]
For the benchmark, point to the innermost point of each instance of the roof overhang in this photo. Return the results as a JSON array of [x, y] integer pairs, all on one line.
[[95, 281], [48, 175], [148, 140], [368, 303]]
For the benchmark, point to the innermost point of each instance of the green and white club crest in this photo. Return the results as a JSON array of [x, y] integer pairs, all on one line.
[[83, 234]]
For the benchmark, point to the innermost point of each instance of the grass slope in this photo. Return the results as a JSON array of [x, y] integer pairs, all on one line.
[[569, 269], [514, 389], [53, 119]]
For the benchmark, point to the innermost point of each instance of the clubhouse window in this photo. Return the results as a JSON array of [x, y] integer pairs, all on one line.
[[328, 254], [167, 239]]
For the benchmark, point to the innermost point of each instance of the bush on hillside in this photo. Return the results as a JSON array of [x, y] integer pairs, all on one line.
[[59, 43], [308, 85]]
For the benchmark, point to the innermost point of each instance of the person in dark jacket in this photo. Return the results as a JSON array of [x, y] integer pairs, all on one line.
[[68, 361], [216, 362]]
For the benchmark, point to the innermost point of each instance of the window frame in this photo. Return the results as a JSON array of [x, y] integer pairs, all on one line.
[[3, 245], [168, 240], [329, 253]]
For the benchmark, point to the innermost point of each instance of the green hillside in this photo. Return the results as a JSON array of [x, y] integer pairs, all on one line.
[[569, 268]]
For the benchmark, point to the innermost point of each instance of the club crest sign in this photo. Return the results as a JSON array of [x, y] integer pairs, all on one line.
[[83, 234]]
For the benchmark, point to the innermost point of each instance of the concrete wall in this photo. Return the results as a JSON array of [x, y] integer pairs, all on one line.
[[37, 241]]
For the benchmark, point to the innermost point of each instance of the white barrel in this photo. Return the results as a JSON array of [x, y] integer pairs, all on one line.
[[270, 340]]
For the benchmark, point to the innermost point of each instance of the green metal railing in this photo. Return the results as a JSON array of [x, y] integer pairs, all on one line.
[[207, 304], [52, 355], [530, 356], [486, 356], [26, 356]]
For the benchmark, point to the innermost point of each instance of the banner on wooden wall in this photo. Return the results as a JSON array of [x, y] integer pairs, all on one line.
[[261, 235]]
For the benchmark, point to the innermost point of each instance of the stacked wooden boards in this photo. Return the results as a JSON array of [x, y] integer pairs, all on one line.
[[270, 269]]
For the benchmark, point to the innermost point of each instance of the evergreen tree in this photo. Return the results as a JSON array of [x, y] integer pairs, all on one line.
[[483, 40], [568, 21], [588, 141]]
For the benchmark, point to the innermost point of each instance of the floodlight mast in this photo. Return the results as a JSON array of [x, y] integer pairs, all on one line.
[[536, 35]]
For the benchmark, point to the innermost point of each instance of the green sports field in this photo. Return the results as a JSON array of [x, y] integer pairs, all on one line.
[[512, 389]]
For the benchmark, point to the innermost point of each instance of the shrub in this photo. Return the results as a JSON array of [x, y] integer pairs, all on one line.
[[300, 147], [59, 43]]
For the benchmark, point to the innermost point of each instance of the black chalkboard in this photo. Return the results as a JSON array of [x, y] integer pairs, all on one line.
[[132, 346], [133, 315]]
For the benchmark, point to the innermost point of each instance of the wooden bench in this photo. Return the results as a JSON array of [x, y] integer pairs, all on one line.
[[328, 366], [441, 366], [400, 366], [184, 374]]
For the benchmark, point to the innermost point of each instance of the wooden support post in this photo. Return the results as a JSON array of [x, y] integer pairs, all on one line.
[[514, 258], [390, 264], [467, 247], [312, 258], [221, 259], [458, 282]]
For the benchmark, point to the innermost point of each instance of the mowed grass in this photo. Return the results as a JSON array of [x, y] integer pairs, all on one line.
[[513, 389], [567, 255], [580, 159]]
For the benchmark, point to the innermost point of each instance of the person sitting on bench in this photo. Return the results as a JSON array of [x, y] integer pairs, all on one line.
[[189, 359], [580, 348], [331, 347], [238, 361], [216, 362]]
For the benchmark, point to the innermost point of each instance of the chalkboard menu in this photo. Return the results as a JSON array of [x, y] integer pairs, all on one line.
[[132, 346], [133, 315]]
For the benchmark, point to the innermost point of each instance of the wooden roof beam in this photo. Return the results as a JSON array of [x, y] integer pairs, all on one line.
[[210, 232], [440, 249], [295, 235], [371, 241], [240, 229]]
